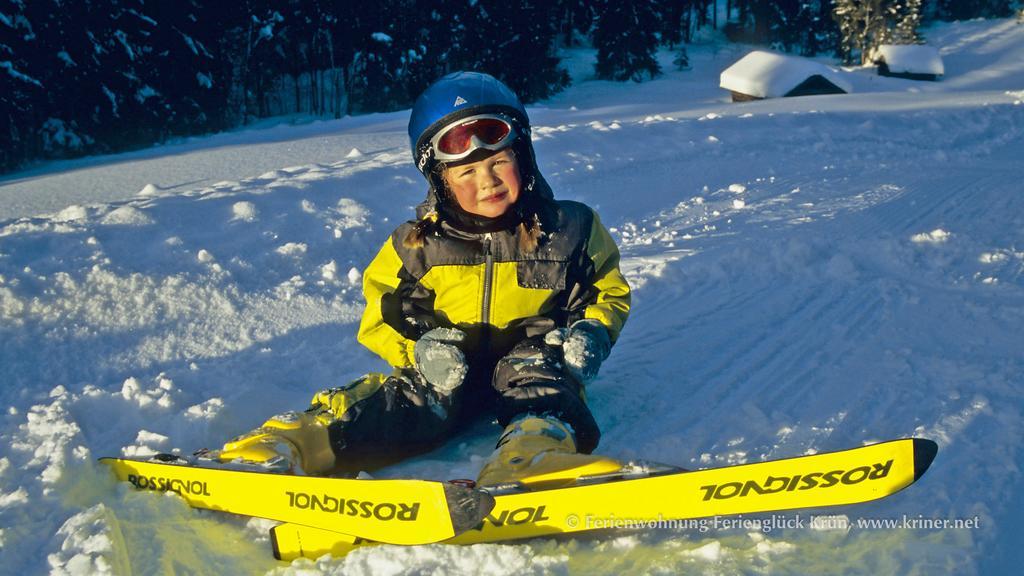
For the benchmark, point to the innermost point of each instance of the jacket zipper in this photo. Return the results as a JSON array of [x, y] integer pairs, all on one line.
[[485, 312]]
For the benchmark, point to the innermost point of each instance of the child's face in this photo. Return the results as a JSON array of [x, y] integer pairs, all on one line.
[[488, 187]]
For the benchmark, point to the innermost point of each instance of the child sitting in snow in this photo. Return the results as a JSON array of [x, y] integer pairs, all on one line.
[[497, 299]]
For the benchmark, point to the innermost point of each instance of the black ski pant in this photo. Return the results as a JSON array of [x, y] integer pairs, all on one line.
[[385, 419]]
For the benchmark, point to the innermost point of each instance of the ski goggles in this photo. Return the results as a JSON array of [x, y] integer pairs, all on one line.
[[461, 138]]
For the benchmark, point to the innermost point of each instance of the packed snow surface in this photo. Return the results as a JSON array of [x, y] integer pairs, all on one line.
[[809, 274]]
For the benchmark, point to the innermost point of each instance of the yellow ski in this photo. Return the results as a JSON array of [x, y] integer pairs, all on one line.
[[392, 511], [829, 479]]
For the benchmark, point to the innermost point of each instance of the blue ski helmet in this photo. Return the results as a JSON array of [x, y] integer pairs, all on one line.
[[459, 95]]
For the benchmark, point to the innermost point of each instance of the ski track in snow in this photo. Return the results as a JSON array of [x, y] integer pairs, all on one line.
[[809, 275]]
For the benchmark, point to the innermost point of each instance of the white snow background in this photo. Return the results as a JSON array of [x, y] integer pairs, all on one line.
[[810, 274]]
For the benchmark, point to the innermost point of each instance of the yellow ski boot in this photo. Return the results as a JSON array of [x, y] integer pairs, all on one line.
[[539, 452], [298, 442], [287, 443]]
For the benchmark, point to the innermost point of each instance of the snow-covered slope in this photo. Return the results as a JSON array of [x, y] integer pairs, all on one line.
[[810, 274]]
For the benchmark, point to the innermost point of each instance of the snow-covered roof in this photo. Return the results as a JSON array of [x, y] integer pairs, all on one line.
[[910, 58], [770, 75]]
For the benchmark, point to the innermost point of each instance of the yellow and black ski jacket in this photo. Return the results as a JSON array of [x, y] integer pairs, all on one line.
[[481, 280]]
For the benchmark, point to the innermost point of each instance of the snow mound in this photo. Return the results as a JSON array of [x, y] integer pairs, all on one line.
[[126, 216], [149, 190], [72, 213], [771, 75], [910, 58]]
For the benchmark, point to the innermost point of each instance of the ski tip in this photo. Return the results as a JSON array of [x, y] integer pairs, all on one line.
[[467, 506], [924, 452]]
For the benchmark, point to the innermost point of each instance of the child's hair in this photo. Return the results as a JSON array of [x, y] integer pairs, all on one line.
[[414, 239], [529, 238], [428, 223]]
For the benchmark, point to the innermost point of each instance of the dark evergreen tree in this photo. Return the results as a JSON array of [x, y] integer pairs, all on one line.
[[626, 41], [574, 20], [784, 18], [92, 58], [706, 12], [297, 31], [443, 36], [184, 69], [797, 26], [967, 9], [250, 46], [337, 44], [377, 64], [20, 89], [104, 75], [60, 53], [687, 18], [429, 49], [908, 20], [822, 30], [682, 59], [268, 56], [403, 47], [669, 14], [128, 75], [801, 26], [863, 25], [515, 43]]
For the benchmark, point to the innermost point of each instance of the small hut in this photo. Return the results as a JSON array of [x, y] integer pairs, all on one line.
[[911, 61], [762, 74]]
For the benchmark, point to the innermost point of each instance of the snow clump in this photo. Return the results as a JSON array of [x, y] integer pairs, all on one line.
[[133, 391], [126, 216], [244, 211], [292, 249], [937, 236], [87, 544]]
